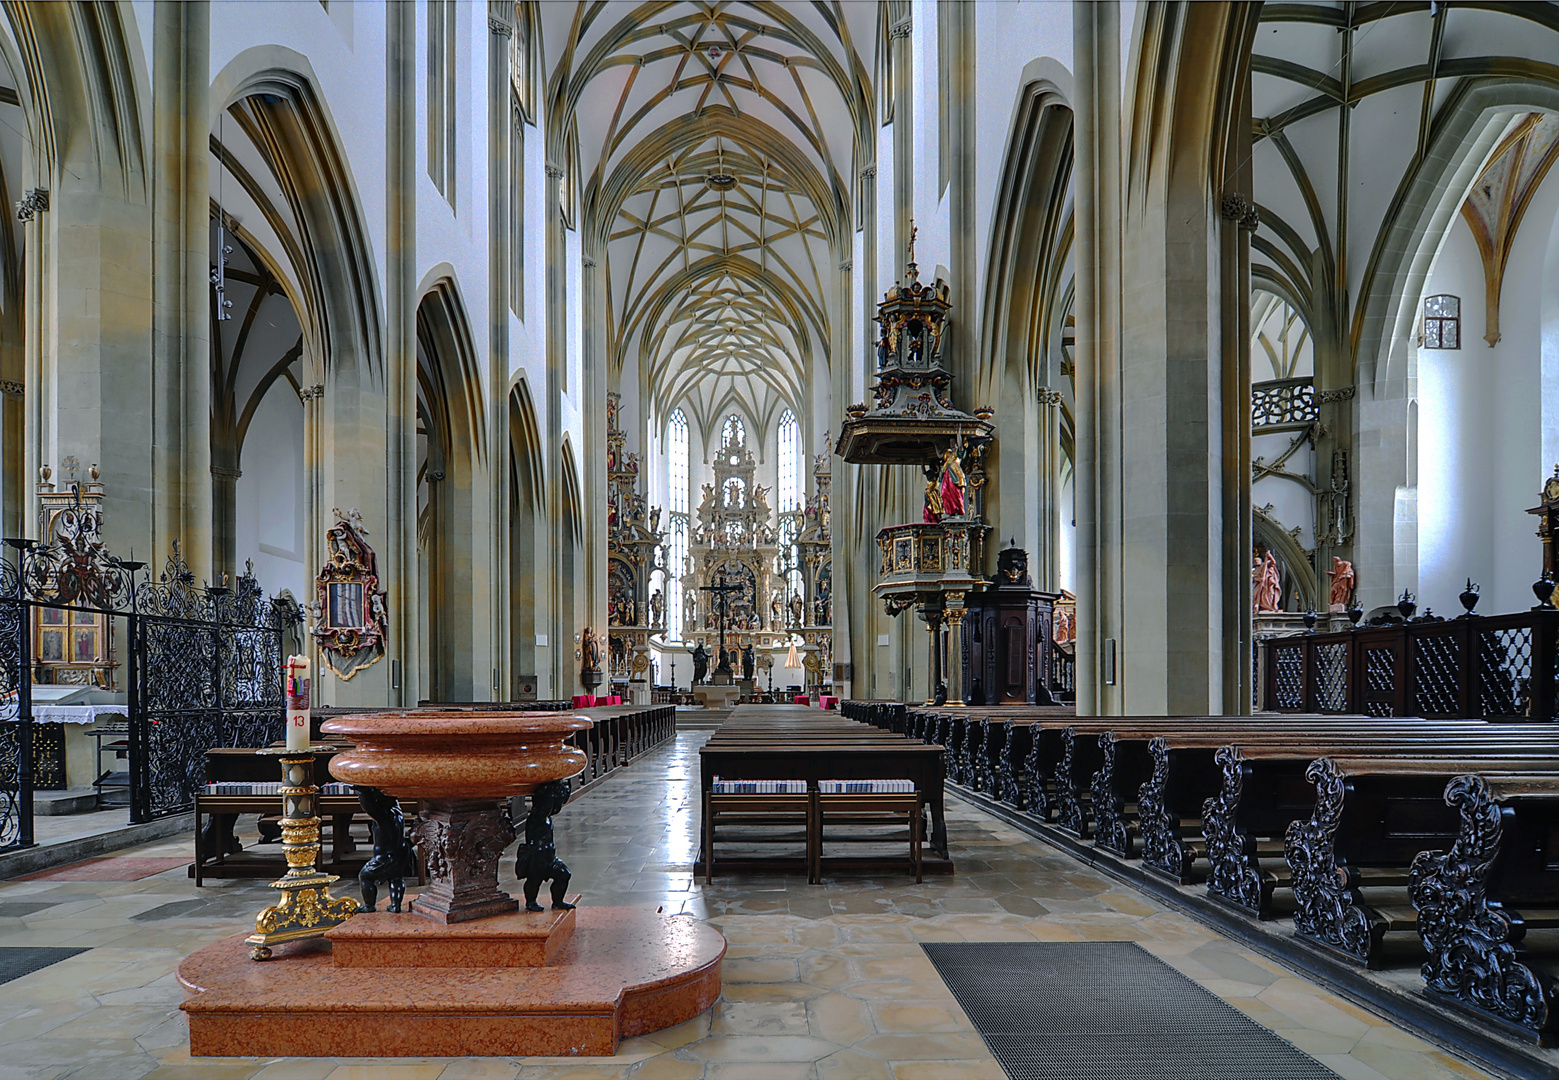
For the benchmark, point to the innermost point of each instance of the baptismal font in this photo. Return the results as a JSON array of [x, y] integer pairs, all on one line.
[[441, 979]]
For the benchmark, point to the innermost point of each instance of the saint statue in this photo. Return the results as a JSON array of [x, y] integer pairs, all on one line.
[[952, 484], [748, 662], [590, 650], [700, 663], [657, 608], [1267, 593], [797, 610], [933, 511], [1342, 584]]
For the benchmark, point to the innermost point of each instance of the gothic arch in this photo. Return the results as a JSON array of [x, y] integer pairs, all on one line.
[[1424, 207], [1028, 253], [529, 534], [273, 93], [451, 514]]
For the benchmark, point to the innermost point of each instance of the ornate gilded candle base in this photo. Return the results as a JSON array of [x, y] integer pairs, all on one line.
[[306, 908]]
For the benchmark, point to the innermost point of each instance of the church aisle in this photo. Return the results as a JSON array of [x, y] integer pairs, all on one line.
[[826, 982]]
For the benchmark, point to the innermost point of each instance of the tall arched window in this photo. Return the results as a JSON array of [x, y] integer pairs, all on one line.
[[789, 461], [734, 431], [676, 499]]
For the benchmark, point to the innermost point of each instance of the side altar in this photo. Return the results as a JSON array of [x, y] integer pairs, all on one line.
[[635, 611]]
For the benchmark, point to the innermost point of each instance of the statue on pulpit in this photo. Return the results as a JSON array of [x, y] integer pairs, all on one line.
[[933, 510], [1342, 584], [700, 663], [952, 484]]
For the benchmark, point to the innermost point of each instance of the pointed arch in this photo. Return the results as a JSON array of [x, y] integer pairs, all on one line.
[[272, 93], [452, 518]]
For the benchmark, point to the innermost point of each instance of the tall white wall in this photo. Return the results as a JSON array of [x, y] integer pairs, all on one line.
[[1482, 415]]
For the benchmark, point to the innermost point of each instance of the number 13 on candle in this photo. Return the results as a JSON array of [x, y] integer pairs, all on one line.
[[297, 689]]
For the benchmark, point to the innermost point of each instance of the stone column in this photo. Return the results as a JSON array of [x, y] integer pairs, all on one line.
[[180, 276], [1096, 51], [958, 24], [903, 133], [560, 636], [592, 456], [955, 648], [500, 235], [399, 567]]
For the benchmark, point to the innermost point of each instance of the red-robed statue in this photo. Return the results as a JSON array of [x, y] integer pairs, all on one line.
[[952, 484]]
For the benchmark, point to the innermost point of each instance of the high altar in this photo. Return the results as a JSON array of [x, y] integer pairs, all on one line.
[[776, 568]]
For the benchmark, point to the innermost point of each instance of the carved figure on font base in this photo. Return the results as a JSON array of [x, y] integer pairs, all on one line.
[[537, 858], [394, 858]]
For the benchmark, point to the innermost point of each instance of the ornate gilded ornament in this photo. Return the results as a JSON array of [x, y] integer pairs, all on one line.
[[305, 909], [349, 615]]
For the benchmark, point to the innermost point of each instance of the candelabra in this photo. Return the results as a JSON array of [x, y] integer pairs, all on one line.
[[306, 909]]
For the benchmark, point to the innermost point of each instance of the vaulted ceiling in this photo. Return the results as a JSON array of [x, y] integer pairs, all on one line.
[[715, 147], [1351, 108]]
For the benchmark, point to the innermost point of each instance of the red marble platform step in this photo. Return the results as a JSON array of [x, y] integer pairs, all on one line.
[[382, 939], [623, 972]]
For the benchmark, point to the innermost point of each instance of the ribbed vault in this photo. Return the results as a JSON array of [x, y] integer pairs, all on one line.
[[715, 147]]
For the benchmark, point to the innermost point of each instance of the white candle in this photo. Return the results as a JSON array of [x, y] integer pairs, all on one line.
[[297, 688]]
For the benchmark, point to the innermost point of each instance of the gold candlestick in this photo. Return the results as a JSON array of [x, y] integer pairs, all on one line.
[[306, 908]]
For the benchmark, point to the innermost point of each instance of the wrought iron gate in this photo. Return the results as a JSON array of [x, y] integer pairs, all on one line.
[[203, 665]]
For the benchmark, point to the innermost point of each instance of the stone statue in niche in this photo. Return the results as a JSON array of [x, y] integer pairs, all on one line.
[[657, 608], [394, 858], [1342, 584], [1267, 593], [537, 860]]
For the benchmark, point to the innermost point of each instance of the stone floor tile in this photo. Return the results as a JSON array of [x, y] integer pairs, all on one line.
[[839, 1018], [850, 1065], [668, 1067], [753, 1048], [905, 1017], [296, 1069], [973, 1069]]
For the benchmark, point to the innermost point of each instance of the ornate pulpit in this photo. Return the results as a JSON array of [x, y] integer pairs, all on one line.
[[931, 565]]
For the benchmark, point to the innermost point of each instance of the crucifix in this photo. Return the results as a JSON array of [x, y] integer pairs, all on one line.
[[720, 592]]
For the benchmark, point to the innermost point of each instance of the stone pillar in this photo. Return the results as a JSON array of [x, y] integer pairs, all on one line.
[[592, 456], [903, 133], [398, 563], [180, 277], [500, 235], [955, 648], [1096, 51], [224, 510], [958, 24], [560, 638]]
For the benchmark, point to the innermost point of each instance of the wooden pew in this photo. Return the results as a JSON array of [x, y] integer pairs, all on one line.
[[796, 743], [1379, 812], [1476, 900]]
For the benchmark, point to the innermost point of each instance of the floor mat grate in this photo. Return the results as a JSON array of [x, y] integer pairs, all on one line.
[[1107, 1010], [16, 961]]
